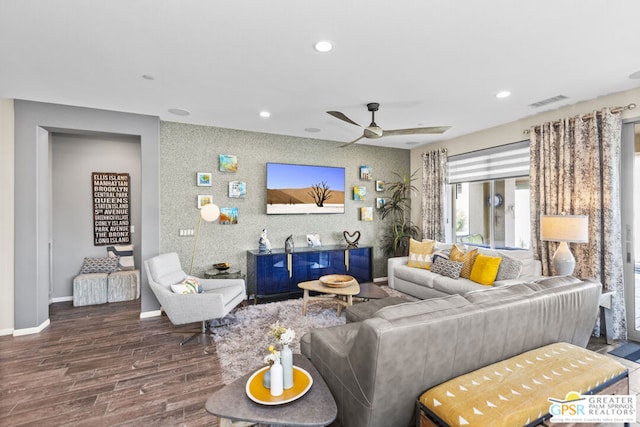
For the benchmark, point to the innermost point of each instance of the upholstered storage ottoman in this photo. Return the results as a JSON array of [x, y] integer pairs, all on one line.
[[515, 392], [89, 288], [123, 286], [365, 310]]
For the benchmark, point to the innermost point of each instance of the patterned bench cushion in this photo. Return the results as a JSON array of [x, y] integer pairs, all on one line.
[[515, 392]]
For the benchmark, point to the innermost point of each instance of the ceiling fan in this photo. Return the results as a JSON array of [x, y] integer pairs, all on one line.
[[373, 131]]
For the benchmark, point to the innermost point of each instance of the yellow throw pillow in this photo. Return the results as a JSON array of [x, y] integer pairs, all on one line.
[[485, 269], [468, 258], [420, 253]]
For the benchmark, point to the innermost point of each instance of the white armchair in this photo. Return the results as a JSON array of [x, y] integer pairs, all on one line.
[[220, 296]]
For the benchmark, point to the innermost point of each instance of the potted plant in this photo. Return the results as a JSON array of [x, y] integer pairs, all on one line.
[[397, 208]]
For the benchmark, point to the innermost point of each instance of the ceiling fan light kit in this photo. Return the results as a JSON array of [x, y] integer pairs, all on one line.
[[373, 131]]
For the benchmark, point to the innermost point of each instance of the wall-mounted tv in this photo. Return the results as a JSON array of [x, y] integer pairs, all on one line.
[[304, 189]]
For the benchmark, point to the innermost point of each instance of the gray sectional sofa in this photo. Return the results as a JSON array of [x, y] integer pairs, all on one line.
[[425, 284], [377, 368]]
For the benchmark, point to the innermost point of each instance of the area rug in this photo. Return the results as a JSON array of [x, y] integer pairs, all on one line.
[[629, 351], [243, 343]]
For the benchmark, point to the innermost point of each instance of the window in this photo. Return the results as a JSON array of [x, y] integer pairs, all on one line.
[[491, 196]]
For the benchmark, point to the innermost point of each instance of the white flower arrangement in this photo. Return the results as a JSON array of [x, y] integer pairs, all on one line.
[[272, 357], [284, 335]]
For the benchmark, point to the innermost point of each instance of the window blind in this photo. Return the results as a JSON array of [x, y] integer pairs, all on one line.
[[505, 161]]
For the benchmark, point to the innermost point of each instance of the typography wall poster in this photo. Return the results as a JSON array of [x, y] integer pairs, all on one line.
[[111, 208]]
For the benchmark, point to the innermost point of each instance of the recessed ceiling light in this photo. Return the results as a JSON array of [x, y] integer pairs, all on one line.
[[312, 130], [503, 94], [635, 75], [323, 46], [179, 111], [265, 114], [148, 77]]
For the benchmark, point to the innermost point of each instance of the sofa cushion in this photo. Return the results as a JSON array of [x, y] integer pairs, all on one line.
[[458, 286], [447, 268], [415, 275], [552, 282], [420, 253], [493, 294], [415, 308], [485, 269], [466, 257]]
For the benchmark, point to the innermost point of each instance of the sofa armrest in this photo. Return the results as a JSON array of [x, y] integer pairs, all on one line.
[[391, 265]]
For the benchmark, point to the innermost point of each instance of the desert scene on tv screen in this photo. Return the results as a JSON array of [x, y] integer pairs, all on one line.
[[296, 189]]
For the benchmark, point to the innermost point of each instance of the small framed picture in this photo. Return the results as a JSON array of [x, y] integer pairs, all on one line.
[[366, 214], [380, 201], [228, 163], [359, 193], [204, 179], [228, 216], [204, 200], [379, 185], [365, 173], [237, 189]]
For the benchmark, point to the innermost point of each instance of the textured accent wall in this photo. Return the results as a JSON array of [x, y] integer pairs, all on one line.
[[186, 150]]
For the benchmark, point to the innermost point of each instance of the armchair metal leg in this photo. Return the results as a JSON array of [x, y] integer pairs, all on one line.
[[200, 335]]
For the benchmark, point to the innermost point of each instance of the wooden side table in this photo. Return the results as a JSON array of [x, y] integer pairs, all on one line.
[[234, 408], [343, 296]]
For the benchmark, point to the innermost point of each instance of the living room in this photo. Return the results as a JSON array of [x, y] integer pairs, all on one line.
[[171, 151]]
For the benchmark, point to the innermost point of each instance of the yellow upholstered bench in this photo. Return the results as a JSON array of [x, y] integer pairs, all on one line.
[[515, 392]]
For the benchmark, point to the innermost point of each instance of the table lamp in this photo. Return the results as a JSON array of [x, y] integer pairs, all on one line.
[[209, 213], [564, 229]]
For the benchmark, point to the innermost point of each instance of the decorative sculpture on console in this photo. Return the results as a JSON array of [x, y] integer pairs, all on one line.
[[351, 243], [288, 244], [264, 246]]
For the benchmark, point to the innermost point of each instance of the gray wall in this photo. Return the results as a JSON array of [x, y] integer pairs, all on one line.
[[74, 158], [188, 149], [34, 123]]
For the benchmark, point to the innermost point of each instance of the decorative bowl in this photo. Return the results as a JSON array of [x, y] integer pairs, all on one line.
[[222, 266], [337, 280]]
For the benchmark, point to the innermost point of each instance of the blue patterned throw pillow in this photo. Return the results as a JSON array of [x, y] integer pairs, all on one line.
[[444, 267], [99, 265], [125, 252]]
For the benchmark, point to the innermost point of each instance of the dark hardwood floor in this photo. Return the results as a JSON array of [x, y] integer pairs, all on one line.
[[103, 366]]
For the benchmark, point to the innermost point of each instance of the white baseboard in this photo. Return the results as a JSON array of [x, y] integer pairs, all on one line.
[[380, 279], [29, 331], [8, 331], [148, 314], [60, 299]]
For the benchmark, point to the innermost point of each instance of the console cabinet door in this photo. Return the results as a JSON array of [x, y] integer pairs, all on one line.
[[360, 264], [272, 274]]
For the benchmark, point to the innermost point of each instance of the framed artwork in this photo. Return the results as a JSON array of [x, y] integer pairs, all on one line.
[[365, 173], [379, 185], [359, 193], [380, 201], [204, 179], [366, 214], [228, 216], [237, 189], [204, 200], [228, 163]]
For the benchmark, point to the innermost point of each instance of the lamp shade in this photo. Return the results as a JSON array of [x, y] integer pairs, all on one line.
[[564, 228], [210, 212]]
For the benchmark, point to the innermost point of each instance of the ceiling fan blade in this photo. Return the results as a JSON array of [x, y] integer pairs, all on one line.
[[338, 115], [416, 131], [352, 142]]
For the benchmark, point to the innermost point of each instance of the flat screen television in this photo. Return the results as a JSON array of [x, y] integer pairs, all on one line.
[[304, 189]]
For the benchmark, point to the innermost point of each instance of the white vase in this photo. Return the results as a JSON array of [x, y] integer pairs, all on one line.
[[286, 358], [266, 378], [276, 379]]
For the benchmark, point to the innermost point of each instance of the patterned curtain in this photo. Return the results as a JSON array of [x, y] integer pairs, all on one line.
[[575, 171], [434, 175]]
